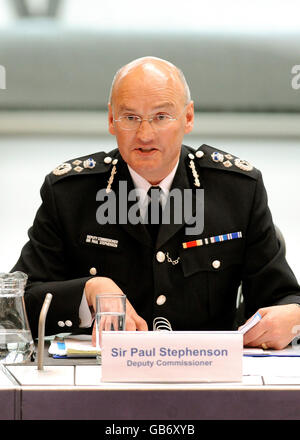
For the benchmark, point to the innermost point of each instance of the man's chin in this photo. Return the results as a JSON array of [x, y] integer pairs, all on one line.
[[145, 162], [146, 168], [146, 153]]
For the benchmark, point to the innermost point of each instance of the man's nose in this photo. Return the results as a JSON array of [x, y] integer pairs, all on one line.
[[145, 131]]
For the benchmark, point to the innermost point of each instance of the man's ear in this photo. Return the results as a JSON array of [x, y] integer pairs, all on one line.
[[189, 118], [111, 127]]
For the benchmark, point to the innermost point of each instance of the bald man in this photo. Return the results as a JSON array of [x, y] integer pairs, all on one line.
[[189, 276]]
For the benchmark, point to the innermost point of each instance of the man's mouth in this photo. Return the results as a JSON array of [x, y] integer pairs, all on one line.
[[146, 150]]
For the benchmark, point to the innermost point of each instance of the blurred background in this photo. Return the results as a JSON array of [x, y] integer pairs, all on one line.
[[57, 60]]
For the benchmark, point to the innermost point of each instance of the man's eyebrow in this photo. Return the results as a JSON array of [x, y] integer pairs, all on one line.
[[124, 108]]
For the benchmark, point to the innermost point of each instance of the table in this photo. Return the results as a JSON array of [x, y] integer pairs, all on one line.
[[72, 390], [8, 396]]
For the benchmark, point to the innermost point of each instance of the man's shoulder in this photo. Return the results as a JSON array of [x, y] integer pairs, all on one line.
[[216, 159], [96, 163]]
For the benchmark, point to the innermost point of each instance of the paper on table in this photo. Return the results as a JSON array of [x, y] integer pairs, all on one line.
[[73, 347], [251, 323], [254, 352], [289, 351], [271, 366], [80, 347]]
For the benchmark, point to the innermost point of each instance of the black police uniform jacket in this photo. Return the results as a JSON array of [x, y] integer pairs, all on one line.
[[199, 284]]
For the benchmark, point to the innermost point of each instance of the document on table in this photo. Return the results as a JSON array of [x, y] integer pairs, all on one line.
[[76, 346], [272, 367], [289, 351], [250, 323]]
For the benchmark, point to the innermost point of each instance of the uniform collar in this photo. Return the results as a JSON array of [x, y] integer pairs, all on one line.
[[143, 185]]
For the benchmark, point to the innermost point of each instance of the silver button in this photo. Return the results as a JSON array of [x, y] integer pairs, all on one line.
[[107, 159], [191, 156], [61, 323], [161, 300], [93, 271], [199, 154], [115, 161], [160, 256], [216, 264], [69, 323]]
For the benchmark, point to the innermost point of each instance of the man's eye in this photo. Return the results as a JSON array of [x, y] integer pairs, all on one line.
[[131, 118], [162, 117]]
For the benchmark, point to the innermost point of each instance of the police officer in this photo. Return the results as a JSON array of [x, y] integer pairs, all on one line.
[[190, 278]]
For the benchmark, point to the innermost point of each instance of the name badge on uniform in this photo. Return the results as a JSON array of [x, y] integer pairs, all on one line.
[[102, 241]]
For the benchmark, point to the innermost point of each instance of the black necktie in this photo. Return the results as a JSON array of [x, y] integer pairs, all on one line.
[[154, 211]]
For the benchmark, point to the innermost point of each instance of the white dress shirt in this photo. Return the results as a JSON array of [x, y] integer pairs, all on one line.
[[142, 185]]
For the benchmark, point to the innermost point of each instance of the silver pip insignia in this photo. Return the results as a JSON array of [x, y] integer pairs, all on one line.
[[64, 168], [243, 164]]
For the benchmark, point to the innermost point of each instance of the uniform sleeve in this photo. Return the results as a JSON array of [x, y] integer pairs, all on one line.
[[267, 278], [44, 260]]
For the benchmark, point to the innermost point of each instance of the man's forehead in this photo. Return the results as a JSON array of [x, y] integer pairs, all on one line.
[[165, 94], [148, 81]]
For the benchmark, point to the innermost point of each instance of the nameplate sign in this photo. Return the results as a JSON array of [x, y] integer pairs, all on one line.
[[172, 356]]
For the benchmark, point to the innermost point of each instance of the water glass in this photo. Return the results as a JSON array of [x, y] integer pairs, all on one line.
[[110, 314]]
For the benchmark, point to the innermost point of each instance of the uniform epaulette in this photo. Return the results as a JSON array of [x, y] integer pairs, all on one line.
[[210, 157], [99, 162]]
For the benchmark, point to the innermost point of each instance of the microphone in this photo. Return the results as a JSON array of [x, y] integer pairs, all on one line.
[[161, 324]]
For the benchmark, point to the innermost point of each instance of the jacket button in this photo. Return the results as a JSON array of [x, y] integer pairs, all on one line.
[[61, 323], [160, 256], [107, 159], [93, 271], [199, 154], [69, 323], [216, 264], [161, 300]]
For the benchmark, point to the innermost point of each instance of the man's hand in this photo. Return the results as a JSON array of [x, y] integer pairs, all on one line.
[[98, 285], [276, 329], [133, 320]]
